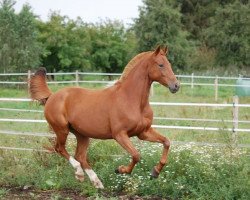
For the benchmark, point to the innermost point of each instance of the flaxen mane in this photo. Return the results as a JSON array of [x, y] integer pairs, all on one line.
[[132, 63]]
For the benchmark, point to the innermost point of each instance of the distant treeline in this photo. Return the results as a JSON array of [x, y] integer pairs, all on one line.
[[201, 35]]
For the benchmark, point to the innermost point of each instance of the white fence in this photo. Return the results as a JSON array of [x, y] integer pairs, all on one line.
[[233, 105], [76, 80], [235, 121]]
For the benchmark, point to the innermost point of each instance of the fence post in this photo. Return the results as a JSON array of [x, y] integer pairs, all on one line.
[[77, 78], [29, 75], [235, 119], [216, 88], [192, 81]]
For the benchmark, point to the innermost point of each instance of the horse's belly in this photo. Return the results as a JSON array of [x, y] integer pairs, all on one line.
[[92, 127], [89, 117]]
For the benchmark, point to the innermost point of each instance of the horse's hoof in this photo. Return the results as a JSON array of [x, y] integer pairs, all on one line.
[[154, 174], [117, 171], [79, 177], [99, 185], [79, 174]]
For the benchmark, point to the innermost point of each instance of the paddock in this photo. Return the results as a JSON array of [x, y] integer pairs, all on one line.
[[194, 121]]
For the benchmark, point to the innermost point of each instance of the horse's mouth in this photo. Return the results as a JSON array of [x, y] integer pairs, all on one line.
[[174, 90]]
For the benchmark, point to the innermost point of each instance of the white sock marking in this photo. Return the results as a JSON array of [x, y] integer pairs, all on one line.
[[74, 162], [94, 179], [79, 172]]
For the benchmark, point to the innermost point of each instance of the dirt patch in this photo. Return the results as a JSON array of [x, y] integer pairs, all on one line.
[[19, 193]]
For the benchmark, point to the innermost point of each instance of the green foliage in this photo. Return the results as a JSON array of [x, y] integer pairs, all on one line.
[[29, 49], [200, 35], [230, 34], [159, 22], [3, 192], [221, 31], [66, 43], [7, 41], [192, 172], [112, 46], [19, 48], [203, 58], [72, 45], [196, 16]]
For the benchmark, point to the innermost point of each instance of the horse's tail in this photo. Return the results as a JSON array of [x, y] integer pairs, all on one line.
[[38, 87]]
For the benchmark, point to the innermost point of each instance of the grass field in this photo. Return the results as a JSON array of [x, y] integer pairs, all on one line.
[[194, 172]]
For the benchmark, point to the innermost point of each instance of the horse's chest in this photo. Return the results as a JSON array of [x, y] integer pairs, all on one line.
[[139, 126]]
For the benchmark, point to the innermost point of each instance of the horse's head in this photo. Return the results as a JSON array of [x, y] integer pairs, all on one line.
[[160, 70]]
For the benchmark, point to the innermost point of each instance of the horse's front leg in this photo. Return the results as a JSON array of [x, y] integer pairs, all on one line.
[[123, 139], [153, 135]]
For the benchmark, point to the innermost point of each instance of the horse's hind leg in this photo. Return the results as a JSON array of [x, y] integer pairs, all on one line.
[[62, 133], [81, 156]]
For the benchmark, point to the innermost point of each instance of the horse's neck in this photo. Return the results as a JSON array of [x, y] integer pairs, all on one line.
[[137, 86]]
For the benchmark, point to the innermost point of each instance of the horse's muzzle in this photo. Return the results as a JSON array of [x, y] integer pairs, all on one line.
[[174, 87]]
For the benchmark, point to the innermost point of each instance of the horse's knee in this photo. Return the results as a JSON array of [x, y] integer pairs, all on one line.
[[136, 157], [166, 143]]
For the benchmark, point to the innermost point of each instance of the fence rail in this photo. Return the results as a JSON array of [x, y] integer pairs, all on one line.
[[157, 118], [234, 105], [77, 73], [108, 82], [160, 103], [76, 80], [119, 74], [154, 126]]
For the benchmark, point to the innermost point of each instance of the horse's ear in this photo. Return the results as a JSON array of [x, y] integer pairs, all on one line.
[[157, 51], [165, 50]]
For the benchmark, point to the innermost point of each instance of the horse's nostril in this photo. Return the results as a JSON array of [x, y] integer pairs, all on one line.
[[176, 85]]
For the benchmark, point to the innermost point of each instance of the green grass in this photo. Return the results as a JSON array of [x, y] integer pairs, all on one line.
[[3, 192], [193, 172]]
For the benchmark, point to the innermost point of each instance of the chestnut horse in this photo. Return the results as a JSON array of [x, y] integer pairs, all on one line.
[[117, 112]]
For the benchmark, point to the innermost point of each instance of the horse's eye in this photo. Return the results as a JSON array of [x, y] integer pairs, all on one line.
[[161, 65]]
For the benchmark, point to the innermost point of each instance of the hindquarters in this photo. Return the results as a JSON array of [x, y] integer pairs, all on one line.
[[54, 112], [58, 111]]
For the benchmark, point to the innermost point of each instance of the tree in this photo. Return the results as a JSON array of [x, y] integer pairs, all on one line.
[[29, 49], [19, 49], [229, 34], [159, 22], [66, 42], [112, 46], [7, 35], [196, 16]]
